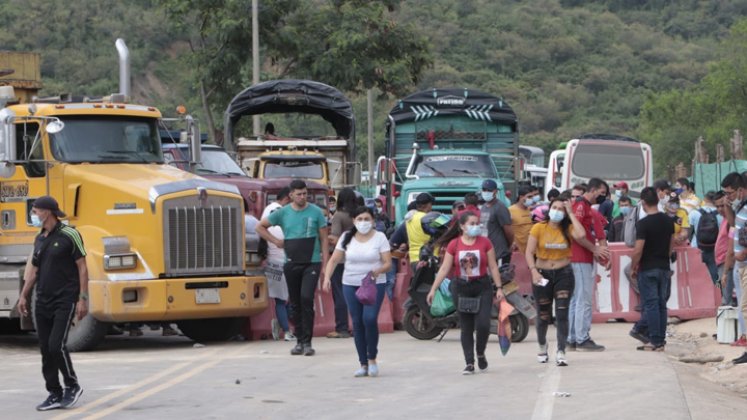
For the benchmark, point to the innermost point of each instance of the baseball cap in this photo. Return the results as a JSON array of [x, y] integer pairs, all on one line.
[[489, 185], [621, 184], [48, 203], [424, 198]]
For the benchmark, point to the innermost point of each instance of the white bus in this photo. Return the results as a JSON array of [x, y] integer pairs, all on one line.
[[612, 158]]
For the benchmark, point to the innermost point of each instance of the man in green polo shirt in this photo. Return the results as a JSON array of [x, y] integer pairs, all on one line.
[[306, 251]]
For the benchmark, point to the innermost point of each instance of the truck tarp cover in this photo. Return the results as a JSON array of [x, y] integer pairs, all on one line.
[[293, 96], [451, 101]]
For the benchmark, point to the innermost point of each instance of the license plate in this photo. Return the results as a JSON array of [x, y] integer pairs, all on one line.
[[206, 296]]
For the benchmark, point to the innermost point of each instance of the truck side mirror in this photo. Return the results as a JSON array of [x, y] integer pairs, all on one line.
[[195, 145], [7, 143]]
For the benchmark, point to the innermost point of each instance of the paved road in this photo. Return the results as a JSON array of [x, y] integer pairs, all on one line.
[[168, 378]]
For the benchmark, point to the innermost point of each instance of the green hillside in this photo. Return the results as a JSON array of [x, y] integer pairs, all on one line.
[[567, 67]]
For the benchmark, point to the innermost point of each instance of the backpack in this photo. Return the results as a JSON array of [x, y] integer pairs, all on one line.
[[741, 234], [707, 231], [629, 226]]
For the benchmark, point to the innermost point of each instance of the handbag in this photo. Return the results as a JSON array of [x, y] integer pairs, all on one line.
[[366, 294], [468, 305], [442, 304]]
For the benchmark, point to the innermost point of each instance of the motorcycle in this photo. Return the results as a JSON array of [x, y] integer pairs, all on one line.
[[420, 324]]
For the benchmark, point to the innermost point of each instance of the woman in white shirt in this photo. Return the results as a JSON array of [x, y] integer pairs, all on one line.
[[364, 250]]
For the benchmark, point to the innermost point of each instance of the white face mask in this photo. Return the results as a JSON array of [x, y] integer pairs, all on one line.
[[528, 202], [487, 195], [556, 216], [363, 227], [36, 221]]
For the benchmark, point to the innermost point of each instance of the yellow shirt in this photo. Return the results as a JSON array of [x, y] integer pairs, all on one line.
[[521, 220], [416, 238], [551, 244], [690, 203], [681, 221]]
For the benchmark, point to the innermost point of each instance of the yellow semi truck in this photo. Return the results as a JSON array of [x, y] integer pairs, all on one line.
[[163, 244]]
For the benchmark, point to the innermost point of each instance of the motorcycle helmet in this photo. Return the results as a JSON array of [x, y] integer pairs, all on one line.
[[435, 223]]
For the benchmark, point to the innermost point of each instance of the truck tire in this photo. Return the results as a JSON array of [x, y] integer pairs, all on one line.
[[215, 329], [419, 325], [84, 334], [519, 327]]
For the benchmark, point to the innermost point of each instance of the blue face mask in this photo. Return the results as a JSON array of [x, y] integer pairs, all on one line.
[[678, 191], [625, 210], [556, 216], [487, 195], [528, 202], [536, 198], [473, 230], [36, 221]]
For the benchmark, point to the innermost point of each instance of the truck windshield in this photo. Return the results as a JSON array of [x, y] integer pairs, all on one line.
[[107, 140], [455, 166], [293, 169], [614, 160], [215, 161]]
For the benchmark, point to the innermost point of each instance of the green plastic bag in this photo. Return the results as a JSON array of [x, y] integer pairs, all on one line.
[[442, 305]]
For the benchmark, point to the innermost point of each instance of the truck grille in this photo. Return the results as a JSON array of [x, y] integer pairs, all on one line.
[[203, 238], [446, 199]]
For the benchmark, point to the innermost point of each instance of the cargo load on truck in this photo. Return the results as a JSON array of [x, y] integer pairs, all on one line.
[[329, 160], [447, 142]]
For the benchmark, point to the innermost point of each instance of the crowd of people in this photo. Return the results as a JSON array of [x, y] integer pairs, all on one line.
[[563, 237]]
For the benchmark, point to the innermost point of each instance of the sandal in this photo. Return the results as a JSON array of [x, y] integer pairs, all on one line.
[[651, 347]]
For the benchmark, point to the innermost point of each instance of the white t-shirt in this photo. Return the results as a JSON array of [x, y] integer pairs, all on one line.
[[275, 255], [362, 257]]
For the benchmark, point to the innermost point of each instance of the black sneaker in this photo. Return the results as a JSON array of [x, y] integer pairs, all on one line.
[[639, 336], [468, 370], [308, 350], [482, 363], [740, 359], [71, 396], [589, 345], [298, 350], [570, 347], [52, 402]]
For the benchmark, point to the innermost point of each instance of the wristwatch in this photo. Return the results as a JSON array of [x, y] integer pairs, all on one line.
[[84, 296]]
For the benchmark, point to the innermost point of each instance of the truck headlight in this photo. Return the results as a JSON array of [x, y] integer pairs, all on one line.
[[120, 262]]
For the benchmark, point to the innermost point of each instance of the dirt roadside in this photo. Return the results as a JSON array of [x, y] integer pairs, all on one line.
[[695, 340]]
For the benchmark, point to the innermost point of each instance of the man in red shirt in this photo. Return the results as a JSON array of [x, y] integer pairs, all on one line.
[[583, 253]]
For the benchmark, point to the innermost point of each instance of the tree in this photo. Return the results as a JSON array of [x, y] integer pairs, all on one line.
[[350, 44]]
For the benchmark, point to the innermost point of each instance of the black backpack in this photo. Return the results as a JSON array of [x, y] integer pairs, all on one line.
[[707, 231]]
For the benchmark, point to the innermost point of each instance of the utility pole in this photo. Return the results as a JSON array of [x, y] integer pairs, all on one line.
[[255, 57], [369, 118]]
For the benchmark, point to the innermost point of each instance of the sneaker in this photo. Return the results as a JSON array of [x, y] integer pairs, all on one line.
[[742, 342], [169, 332], [289, 336], [373, 370], [275, 328], [298, 350], [650, 347], [338, 334], [71, 395], [639, 336], [560, 358], [52, 402], [738, 360], [468, 370], [589, 345], [308, 350], [542, 355], [570, 347], [482, 363], [361, 372]]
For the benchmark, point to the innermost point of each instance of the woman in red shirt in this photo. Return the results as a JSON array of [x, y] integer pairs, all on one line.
[[470, 255]]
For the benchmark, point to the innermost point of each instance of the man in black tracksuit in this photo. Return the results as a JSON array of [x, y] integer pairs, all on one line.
[[58, 269]]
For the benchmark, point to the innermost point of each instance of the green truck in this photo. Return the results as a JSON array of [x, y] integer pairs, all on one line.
[[447, 142]]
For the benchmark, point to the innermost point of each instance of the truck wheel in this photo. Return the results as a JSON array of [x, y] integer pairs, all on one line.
[[519, 327], [84, 335], [420, 325], [215, 329]]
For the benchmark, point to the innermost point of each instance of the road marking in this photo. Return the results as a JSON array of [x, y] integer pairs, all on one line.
[[133, 387], [546, 400], [152, 391]]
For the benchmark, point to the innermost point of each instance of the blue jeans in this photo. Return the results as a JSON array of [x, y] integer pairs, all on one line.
[[738, 290], [281, 313], [579, 315], [654, 286], [365, 322]]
